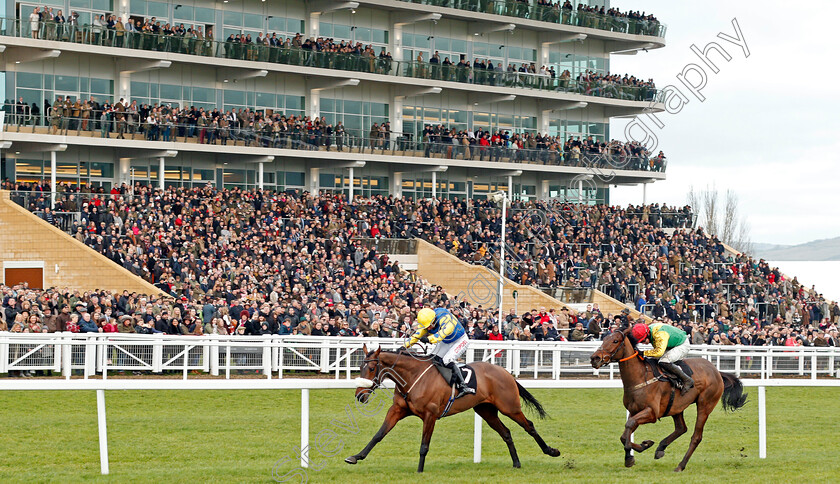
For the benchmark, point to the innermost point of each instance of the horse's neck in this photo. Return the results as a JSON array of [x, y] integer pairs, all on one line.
[[632, 370], [403, 370]]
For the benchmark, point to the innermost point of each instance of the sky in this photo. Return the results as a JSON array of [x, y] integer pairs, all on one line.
[[768, 127]]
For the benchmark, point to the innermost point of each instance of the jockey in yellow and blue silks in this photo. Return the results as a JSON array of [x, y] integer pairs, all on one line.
[[442, 329], [670, 345]]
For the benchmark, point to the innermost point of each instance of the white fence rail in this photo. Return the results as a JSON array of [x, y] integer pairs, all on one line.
[[278, 356], [304, 385]]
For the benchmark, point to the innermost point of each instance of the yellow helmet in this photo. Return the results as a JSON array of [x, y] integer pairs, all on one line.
[[425, 317]]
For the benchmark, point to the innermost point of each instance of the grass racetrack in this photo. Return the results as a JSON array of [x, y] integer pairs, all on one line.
[[237, 436]]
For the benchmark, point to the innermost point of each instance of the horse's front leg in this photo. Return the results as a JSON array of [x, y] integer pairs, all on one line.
[[428, 428], [395, 414], [645, 416]]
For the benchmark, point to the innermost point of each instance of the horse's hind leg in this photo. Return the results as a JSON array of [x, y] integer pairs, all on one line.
[[703, 411], [679, 429], [526, 424], [490, 414]]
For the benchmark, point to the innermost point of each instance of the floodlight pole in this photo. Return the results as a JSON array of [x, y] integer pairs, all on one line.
[[502, 258]]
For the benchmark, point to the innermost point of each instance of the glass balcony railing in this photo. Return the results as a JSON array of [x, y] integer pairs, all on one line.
[[268, 136], [99, 36], [554, 14]]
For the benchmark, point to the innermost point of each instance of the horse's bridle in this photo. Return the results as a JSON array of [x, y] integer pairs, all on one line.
[[377, 378], [620, 345]]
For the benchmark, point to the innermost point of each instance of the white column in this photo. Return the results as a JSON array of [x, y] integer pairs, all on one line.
[[510, 187], [161, 172], [350, 195], [124, 175], [304, 428], [544, 118], [396, 41], [314, 101], [644, 193], [314, 181], [314, 24], [52, 179], [396, 184], [762, 422], [580, 191], [260, 171], [124, 85], [502, 261], [396, 117], [103, 431], [434, 185], [544, 190], [477, 439]]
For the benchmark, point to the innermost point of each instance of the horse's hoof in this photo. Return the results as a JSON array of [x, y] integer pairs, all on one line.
[[678, 469], [659, 454], [351, 460], [553, 452], [517, 465], [647, 444], [630, 462]]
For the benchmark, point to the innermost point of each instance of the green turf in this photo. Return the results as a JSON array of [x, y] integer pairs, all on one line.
[[235, 436]]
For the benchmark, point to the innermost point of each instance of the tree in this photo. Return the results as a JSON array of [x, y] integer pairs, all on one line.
[[721, 217]]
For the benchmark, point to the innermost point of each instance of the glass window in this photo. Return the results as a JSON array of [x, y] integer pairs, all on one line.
[[100, 170], [253, 21], [66, 83], [277, 23], [139, 88], [234, 97], [26, 79], [294, 178], [233, 18], [80, 3], [327, 181], [234, 176], [100, 86], [169, 91], [341, 31], [203, 94], [157, 9], [183, 12], [103, 5], [379, 36], [206, 15], [266, 100]]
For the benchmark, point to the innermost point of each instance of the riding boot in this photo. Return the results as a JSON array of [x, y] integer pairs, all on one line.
[[459, 380], [687, 381]]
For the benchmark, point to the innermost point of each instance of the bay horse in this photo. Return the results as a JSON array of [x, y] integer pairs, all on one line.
[[420, 391], [648, 399]]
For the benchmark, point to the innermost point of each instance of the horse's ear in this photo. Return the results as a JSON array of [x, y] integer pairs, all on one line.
[[364, 349], [626, 331], [376, 353]]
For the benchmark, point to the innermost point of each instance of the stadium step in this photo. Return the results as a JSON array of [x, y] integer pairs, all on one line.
[[30, 241]]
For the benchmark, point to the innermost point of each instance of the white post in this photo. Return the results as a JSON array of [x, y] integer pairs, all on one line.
[[53, 180], [580, 191], [304, 428], [477, 440], [350, 193], [260, 171], [434, 186], [502, 261], [510, 187], [644, 193], [161, 172], [762, 422], [103, 431]]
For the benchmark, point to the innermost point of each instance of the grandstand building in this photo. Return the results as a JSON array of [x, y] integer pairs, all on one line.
[[182, 54]]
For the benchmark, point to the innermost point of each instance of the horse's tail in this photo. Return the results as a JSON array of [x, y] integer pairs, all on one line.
[[733, 392], [530, 401]]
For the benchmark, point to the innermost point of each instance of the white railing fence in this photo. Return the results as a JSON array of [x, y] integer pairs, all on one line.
[[279, 356], [304, 385]]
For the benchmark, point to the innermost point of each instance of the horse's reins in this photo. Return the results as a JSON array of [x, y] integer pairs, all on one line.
[[634, 355], [399, 355]]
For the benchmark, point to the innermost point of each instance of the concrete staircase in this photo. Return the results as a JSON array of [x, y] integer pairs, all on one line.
[[67, 263]]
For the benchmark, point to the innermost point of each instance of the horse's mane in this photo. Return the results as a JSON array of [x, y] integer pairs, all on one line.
[[402, 351]]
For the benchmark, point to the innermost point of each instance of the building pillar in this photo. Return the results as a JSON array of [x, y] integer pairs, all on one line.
[[350, 192], [314, 100], [396, 184], [124, 171], [510, 187], [314, 180], [314, 25], [544, 190], [396, 117], [124, 86], [644, 193], [260, 174], [580, 191], [543, 120], [434, 185], [161, 173], [53, 181]]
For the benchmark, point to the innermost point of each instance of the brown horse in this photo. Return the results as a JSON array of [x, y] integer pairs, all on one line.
[[648, 400], [421, 391]]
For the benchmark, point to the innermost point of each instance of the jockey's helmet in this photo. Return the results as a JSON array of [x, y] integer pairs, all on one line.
[[425, 317], [640, 332]]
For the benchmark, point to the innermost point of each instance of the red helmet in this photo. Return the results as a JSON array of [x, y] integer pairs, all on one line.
[[640, 331]]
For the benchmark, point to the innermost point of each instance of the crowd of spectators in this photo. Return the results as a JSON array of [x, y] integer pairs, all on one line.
[[328, 53], [276, 253]]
